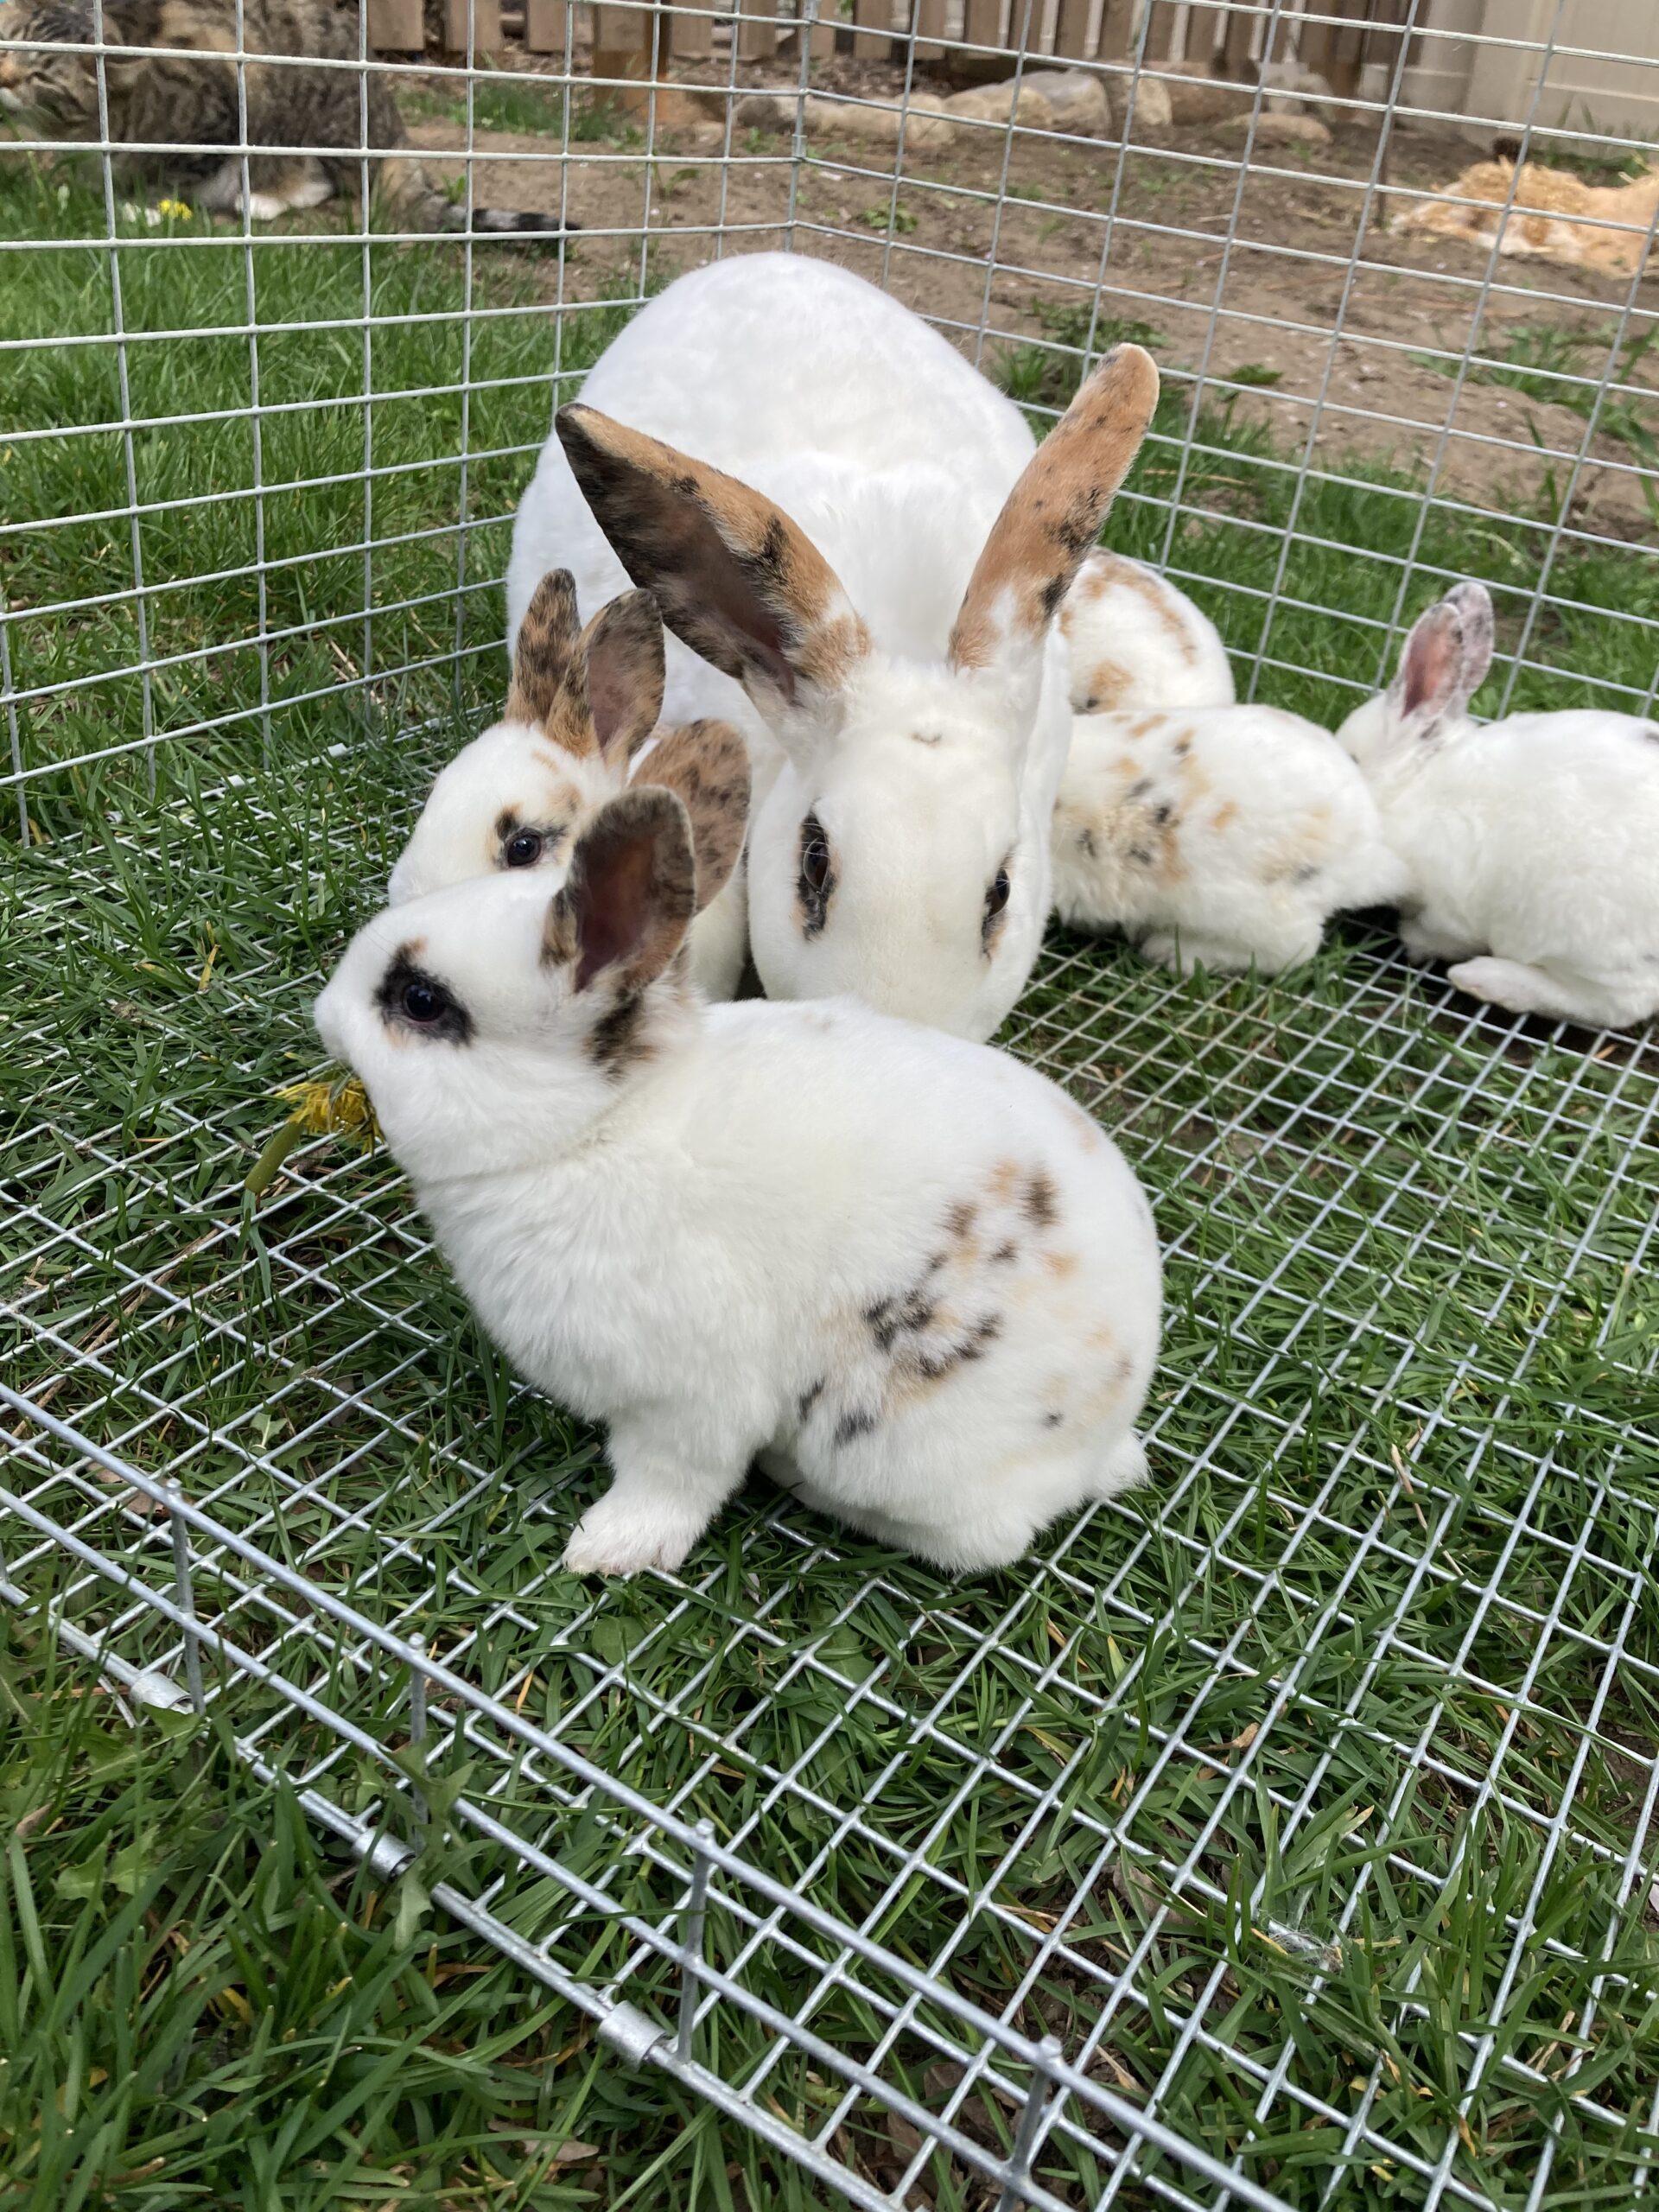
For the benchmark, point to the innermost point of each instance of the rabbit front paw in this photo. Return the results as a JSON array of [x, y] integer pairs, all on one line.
[[623, 1535]]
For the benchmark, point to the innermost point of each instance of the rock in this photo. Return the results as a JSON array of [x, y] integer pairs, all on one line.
[[925, 126], [1196, 97], [876, 124], [987, 104], [1151, 108], [1291, 88], [1274, 129], [1078, 100]]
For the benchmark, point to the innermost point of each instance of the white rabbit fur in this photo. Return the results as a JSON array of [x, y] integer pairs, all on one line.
[[1138, 645], [581, 716], [1528, 843], [923, 758], [903, 1268], [1223, 837]]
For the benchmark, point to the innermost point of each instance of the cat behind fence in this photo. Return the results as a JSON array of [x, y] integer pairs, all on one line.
[[160, 103]]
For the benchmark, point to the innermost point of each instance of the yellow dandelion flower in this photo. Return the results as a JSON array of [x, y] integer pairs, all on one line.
[[340, 1108]]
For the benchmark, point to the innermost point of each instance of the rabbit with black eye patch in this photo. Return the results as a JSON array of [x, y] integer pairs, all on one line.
[[903, 1269], [862, 559], [1223, 837], [1528, 843], [580, 724]]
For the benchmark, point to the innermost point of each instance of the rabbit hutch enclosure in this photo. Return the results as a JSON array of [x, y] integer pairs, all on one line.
[[1285, 1832]]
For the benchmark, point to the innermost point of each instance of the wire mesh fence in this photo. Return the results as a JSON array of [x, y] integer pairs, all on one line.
[[1282, 1835]]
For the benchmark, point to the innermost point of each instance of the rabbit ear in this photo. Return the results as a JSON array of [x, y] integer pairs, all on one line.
[[1053, 515], [623, 648], [706, 766], [545, 650], [1445, 659], [628, 900], [737, 581]]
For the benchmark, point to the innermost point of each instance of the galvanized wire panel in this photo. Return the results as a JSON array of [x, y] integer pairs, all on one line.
[[1377, 1650], [1283, 1833]]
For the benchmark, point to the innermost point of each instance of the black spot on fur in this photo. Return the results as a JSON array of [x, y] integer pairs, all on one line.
[[1183, 747], [1053, 593], [1086, 843], [856, 1423], [962, 1218], [1306, 874], [1163, 814], [1004, 1252], [1041, 1201], [451, 1022], [808, 1398], [617, 1040], [1140, 855], [1139, 789], [1076, 529], [1052, 1420]]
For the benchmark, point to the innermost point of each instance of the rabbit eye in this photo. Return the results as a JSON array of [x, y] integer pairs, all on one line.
[[996, 898], [817, 883], [523, 848], [410, 997], [425, 1001]]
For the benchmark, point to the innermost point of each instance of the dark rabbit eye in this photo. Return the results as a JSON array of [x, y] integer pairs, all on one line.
[[815, 860], [997, 897], [408, 995], [817, 883], [524, 849], [423, 1001]]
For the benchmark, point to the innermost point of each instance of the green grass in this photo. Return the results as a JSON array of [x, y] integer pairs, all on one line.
[[199, 549], [1536, 357], [1341, 539], [506, 101], [1405, 1418]]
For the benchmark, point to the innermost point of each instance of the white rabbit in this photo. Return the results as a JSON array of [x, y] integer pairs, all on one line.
[[1138, 645], [1225, 837], [581, 712], [881, 582], [1528, 843], [904, 1268]]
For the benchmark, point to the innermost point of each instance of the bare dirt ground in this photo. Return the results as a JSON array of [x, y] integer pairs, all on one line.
[[1344, 353]]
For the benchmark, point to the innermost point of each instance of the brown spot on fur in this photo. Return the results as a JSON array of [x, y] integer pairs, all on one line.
[[620, 1039], [1003, 1177], [1041, 1200], [737, 581], [1061, 1265], [1107, 686], [1103, 690], [961, 1218], [1223, 815], [707, 765], [1004, 1254], [1053, 515]]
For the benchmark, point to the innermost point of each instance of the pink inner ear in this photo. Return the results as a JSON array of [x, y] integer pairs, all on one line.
[[1433, 662], [616, 896]]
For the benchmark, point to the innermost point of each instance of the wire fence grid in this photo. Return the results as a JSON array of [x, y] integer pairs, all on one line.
[[1030, 1892]]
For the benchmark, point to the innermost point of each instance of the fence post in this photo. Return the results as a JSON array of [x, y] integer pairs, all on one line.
[[928, 18], [872, 38], [547, 26]]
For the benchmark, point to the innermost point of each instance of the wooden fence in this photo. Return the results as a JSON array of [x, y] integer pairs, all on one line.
[[973, 33]]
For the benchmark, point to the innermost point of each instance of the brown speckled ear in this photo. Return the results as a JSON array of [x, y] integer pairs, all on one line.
[[628, 900], [737, 581], [1445, 659], [544, 650], [706, 766], [623, 649], [1053, 515]]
